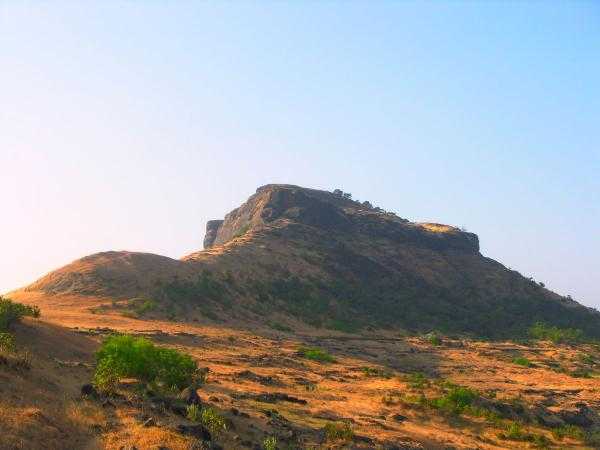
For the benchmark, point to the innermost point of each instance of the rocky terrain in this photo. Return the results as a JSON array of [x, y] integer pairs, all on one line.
[[319, 323]]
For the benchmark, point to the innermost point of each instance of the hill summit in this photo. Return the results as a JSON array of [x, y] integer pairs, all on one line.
[[320, 258]]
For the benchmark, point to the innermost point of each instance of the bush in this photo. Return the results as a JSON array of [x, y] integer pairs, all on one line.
[[514, 432], [521, 361], [338, 432], [7, 342], [12, 312], [557, 335], [456, 400], [434, 339], [142, 306], [124, 356], [315, 354]]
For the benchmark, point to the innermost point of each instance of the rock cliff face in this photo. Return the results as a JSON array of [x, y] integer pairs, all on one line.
[[328, 261], [212, 228], [328, 212]]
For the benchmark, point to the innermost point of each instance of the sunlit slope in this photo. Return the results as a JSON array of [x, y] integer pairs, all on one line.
[[328, 261]]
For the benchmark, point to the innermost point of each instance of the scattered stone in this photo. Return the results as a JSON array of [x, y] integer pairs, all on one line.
[[149, 422], [399, 418], [88, 390], [179, 408], [190, 396], [271, 397], [261, 379], [581, 416], [548, 418]]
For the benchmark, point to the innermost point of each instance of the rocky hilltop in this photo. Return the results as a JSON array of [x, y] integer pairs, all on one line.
[[321, 259]]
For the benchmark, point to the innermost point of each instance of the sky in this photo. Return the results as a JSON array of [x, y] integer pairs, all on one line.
[[127, 125]]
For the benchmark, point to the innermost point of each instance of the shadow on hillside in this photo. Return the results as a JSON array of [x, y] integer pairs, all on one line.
[[39, 399]]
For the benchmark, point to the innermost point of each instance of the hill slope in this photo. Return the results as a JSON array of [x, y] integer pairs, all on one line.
[[326, 260]]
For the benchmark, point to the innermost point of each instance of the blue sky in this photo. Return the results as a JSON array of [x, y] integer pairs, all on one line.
[[127, 125]]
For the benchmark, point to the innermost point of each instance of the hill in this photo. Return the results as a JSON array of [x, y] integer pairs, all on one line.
[[297, 255]]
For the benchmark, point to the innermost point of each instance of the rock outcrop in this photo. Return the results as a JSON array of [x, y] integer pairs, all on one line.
[[212, 229]]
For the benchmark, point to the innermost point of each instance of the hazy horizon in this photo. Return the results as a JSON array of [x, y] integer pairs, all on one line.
[[126, 126]]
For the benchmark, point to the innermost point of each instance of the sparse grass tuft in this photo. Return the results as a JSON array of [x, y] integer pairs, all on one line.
[[338, 431], [515, 432], [418, 380], [376, 372], [522, 361], [315, 354], [213, 421], [570, 431], [209, 417], [194, 413], [270, 443]]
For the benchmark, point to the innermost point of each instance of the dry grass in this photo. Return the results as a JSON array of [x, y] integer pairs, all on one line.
[[40, 408]]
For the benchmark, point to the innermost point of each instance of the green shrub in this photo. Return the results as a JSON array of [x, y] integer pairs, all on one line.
[[12, 312], [514, 432], [581, 372], [124, 356], [456, 400], [557, 335], [142, 306], [522, 361], [315, 354], [570, 431], [434, 339], [7, 342], [339, 431], [270, 443]]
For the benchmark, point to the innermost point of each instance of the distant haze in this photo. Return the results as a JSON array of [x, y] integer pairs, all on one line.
[[128, 125]]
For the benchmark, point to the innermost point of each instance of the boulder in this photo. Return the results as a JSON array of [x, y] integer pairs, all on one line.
[[190, 396]]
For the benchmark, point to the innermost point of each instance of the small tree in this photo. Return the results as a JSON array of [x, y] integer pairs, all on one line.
[[338, 193]]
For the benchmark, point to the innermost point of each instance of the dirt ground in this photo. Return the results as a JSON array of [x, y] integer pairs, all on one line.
[[263, 387]]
